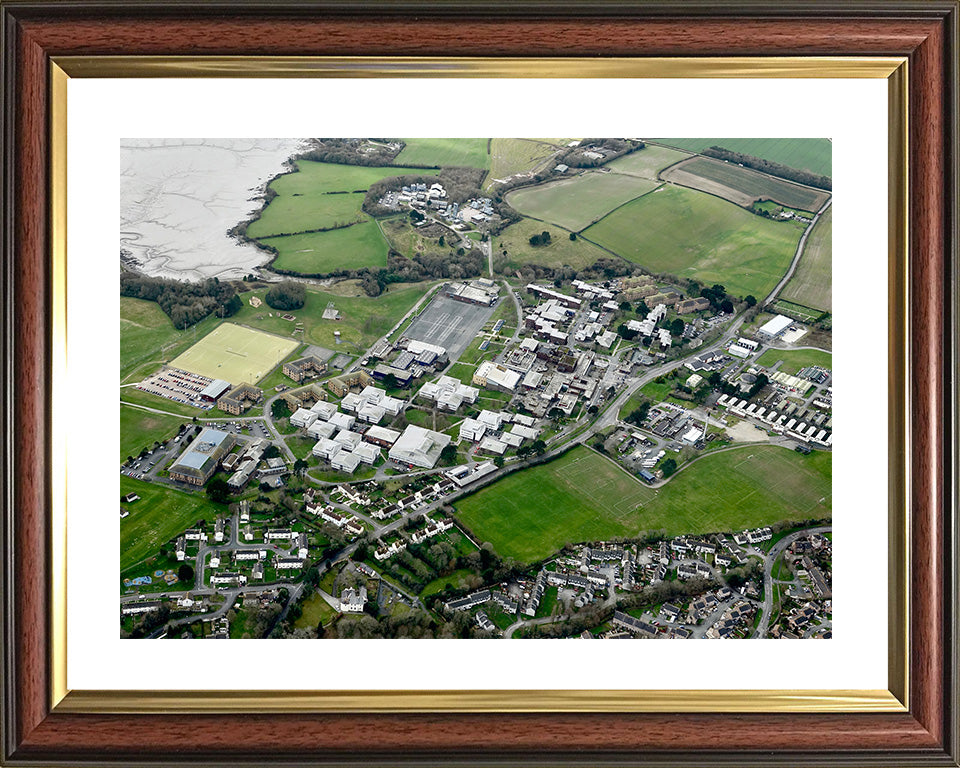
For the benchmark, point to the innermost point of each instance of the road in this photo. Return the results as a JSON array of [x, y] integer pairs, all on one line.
[[764, 626]]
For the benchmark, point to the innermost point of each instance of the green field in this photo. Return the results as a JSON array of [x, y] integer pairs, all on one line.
[[456, 579], [814, 155], [562, 251], [364, 319], [235, 354], [743, 186], [316, 611], [582, 496], [318, 253], [324, 196], [647, 162], [443, 152], [159, 515], [812, 283], [144, 332], [140, 429], [289, 214], [577, 202], [510, 156], [796, 359], [692, 234]]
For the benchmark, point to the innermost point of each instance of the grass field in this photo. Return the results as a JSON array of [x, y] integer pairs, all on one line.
[[145, 330], [160, 514], [742, 185], [442, 152], [364, 319], [316, 611], [562, 251], [647, 162], [235, 354], [510, 156], [577, 202], [692, 234], [454, 579], [795, 359], [324, 196], [140, 429], [409, 241], [317, 253], [812, 283], [582, 496], [814, 155]]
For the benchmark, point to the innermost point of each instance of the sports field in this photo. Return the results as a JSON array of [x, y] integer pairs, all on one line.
[[361, 245], [692, 234], [235, 354], [742, 185], [160, 514], [510, 156], [647, 162], [812, 283], [579, 201], [795, 359], [442, 152], [814, 155], [562, 251], [583, 496]]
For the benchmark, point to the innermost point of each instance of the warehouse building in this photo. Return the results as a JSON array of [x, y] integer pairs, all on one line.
[[774, 327]]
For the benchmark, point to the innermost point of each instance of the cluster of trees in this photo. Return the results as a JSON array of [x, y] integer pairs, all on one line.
[[537, 448], [347, 151], [184, 303], [639, 415], [286, 295], [729, 388], [542, 239], [668, 467], [717, 296], [774, 169]]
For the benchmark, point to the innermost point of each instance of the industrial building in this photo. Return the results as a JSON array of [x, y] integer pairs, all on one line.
[[774, 327]]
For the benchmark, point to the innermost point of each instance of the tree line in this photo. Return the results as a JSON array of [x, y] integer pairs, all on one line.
[[184, 303], [774, 169]]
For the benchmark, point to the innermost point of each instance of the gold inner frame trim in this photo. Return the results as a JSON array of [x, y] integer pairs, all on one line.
[[893, 69]]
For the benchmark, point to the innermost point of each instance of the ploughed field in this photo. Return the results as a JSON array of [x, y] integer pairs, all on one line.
[[814, 155], [584, 496], [743, 186]]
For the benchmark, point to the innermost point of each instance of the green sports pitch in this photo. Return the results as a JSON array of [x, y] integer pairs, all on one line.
[[583, 496], [235, 354]]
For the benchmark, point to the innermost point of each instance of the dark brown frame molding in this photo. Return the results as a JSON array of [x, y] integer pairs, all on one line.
[[35, 32]]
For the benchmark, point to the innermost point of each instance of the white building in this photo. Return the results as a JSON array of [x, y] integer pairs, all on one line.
[[303, 418], [352, 601], [472, 430], [419, 447], [345, 461], [774, 327], [495, 376]]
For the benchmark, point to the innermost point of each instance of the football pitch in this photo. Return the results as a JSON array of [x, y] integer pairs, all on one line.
[[583, 496], [235, 354]]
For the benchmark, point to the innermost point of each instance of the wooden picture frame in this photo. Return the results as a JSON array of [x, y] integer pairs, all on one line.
[[41, 727]]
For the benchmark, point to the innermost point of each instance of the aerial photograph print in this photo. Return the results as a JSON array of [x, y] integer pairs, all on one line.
[[497, 388]]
